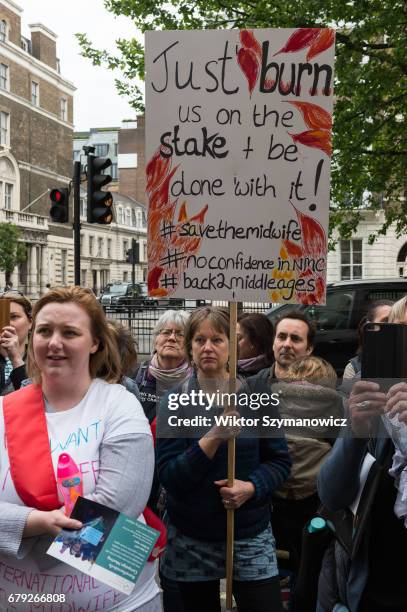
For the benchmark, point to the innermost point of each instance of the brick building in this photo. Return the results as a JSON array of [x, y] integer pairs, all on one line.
[[36, 128], [131, 160]]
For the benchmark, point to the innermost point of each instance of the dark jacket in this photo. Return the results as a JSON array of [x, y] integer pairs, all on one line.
[[147, 386], [16, 378], [359, 567], [264, 377], [193, 501]]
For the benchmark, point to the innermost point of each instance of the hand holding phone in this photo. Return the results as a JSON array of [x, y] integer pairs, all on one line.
[[366, 402], [384, 353]]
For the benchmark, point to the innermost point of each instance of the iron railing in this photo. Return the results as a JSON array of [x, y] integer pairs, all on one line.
[[142, 322]]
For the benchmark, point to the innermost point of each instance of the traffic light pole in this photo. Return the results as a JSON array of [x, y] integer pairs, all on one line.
[[77, 221], [133, 262]]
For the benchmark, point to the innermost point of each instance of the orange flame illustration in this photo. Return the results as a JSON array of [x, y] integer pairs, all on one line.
[[314, 246], [322, 42], [249, 57], [167, 249], [300, 39], [315, 117], [319, 139]]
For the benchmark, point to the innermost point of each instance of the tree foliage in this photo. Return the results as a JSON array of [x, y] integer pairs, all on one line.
[[370, 149], [12, 251]]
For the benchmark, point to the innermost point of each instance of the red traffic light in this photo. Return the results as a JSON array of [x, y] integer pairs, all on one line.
[[59, 212], [58, 195]]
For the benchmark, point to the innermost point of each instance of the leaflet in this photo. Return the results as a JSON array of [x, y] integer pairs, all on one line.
[[110, 547]]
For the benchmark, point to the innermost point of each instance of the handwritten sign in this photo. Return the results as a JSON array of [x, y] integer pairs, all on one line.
[[238, 147]]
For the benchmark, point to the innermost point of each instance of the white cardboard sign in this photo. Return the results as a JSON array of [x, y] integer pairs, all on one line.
[[238, 146]]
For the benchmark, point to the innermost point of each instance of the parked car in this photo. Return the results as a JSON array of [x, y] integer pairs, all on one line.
[[139, 299], [337, 323], [112, 291]]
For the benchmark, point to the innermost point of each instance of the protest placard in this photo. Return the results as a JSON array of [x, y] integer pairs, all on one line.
[[238, 146]]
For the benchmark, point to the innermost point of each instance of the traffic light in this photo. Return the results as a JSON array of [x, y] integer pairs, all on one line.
[[59, 212], [99, 202], [133, 254]]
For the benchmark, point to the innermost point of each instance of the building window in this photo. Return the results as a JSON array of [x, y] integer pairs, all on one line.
[[82, 238], [351, 259], [128, 216], [35, 93], [3, 30], [83, 209], [83, 278], [8, 196], [100, 247], [101, 149], [91, 246], [144, 251], [3, 76], [120, 216], [26, 44], [4, 129], [125, 276], [125, 249], [64, 257], [113, 171], [109, 248], [64, 109]]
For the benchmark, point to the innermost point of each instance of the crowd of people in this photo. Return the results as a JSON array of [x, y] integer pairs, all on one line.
[[70, 382]]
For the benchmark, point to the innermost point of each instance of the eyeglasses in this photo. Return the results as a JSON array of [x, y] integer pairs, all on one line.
[[167, 333]]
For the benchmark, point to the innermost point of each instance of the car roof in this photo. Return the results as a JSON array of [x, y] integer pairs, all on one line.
[[368, 281]]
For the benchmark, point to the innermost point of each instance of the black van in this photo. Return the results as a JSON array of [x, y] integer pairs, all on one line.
[[337, 322]]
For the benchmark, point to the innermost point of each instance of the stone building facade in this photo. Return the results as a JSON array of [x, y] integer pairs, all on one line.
[[104, 247], [356, 258], [36, 127]]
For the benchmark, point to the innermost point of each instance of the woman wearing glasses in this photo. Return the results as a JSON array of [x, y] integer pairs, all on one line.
[[13, 342], [168, 367]]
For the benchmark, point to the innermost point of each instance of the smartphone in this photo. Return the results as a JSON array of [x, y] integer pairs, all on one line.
[[4, 312], [384, 352]]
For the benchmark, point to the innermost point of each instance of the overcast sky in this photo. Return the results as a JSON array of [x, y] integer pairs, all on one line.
[[96, 103]]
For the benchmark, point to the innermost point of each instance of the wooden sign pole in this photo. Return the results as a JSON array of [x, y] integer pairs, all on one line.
[[231, 456]]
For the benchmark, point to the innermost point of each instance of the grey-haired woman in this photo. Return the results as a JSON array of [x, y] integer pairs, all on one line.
[[168, 366]]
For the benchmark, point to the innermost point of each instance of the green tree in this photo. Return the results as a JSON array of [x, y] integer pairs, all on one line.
[[370, 149], [12, 251]]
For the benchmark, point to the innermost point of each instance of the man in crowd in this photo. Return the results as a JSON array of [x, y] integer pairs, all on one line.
[[293, 339]]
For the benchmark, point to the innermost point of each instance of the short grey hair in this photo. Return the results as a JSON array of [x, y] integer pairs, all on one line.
[[398, 310], [170, 317]]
